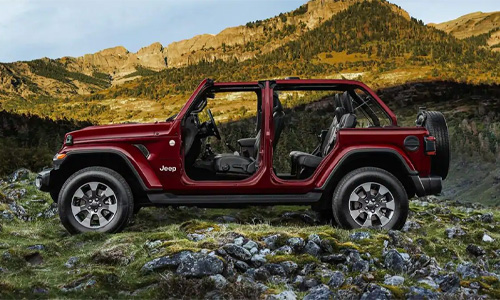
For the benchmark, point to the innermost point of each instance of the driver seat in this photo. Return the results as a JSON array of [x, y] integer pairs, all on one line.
[[229, 163]]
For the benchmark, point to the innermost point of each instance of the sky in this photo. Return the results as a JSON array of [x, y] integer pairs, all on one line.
[[31, 29]]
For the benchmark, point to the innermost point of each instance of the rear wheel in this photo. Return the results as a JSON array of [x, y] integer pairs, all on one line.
[[95, 199], [372, 198]]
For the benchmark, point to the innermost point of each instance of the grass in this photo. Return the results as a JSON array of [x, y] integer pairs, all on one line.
[[114, 261]]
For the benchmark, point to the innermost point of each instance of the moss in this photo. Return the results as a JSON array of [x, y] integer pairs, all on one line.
[[398, 291], [196, 226], [301, 259]]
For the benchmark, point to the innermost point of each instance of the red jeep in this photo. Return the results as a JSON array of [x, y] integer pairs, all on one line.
[[362, 172]]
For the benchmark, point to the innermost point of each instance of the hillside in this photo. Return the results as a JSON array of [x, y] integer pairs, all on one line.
[[477, 24], [379, 46], [84, 75], [445, 251]]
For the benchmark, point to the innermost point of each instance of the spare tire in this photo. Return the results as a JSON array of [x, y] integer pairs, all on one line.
[[435, 123]]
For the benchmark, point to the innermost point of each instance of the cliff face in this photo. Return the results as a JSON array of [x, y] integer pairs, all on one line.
[[260, 37], [89, 73]]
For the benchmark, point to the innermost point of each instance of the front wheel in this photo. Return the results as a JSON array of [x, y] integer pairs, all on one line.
[[370, 198], [95, 199]]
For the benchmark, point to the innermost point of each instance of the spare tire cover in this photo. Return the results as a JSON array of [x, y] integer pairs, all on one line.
[[435, 123]]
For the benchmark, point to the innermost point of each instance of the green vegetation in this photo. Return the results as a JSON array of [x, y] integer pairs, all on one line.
[[109, 266], [56, 70], [30, 141]]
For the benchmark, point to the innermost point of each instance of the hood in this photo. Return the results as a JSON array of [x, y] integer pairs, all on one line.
[[116, 132]]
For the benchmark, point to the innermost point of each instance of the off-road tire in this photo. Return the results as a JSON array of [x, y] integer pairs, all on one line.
[[342, 193], [124, 197], [435, 123]]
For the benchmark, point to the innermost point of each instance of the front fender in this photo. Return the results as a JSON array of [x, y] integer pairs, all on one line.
[[130, 155]]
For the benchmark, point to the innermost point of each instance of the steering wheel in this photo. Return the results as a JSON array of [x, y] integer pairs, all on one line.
[[213, 127]]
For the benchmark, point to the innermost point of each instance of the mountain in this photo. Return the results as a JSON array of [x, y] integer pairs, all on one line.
[[473, 25], [69, 76]]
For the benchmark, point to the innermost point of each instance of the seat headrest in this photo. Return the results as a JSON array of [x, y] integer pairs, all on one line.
[[339, 112], [277, 107], [337, 103], [347, 103]]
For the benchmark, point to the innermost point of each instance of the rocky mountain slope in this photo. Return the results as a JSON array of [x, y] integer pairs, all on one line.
[[475, 24], [446, 250], [84, 75]]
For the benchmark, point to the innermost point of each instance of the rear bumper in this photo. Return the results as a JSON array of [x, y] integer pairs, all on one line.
[[425, 186], [42, 181]]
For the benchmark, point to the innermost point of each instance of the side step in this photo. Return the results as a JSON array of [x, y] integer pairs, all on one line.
[[283, 199]]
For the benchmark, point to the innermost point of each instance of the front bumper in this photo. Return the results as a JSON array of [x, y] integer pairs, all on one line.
[[42, 181], [425, 186]]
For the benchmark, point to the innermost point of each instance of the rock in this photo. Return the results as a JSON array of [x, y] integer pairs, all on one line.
[[394, 261], [162, 263], [334, 258], [275, 269], [326, 246], [286, 295], [237, 252], [487, 218], [40, 290], [418, 293], [289, 266], [312, 248], [19, 174], [336, 280], [410, 226], [314, 238], [429, 281], [376, 292], [394, 280], [361, 266], [200, 266], [226, 219], [251, 245], [284, 250], [16, 194], [18, 211], [219, 281], [320, 292], [241, 265], [468, 270], [295, 216], [258, 260], [153, 244], [262, 274], [296, 243], [34, 258], [80, 284], [475, 250], [195, 237], [449, 283], [454, 232], [36, 247], [271, 240], [114, 255], [239, 241], [488, 239], [71, 262], [265, 251], [360, 235]]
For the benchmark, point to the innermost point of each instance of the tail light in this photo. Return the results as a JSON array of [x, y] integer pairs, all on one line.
[[430, 145]]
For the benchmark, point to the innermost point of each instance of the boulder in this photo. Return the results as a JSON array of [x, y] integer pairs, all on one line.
[[200, 266], [394, 261], [237, 252], [312, 248], [336, 280], [320, 292]]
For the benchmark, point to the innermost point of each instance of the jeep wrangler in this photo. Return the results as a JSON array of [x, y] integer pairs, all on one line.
[[361, 173]]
